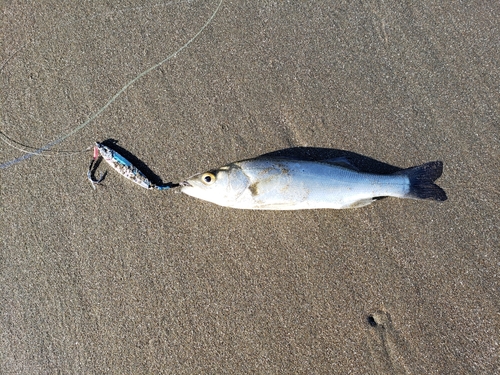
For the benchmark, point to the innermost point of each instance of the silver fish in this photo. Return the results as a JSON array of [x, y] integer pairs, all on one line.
[[266, 183]]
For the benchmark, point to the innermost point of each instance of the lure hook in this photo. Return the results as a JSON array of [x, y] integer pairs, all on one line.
[[90, 176]]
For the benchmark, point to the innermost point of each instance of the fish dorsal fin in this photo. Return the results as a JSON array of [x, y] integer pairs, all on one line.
[[341, 162]]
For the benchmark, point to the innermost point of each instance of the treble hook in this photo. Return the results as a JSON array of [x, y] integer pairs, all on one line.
[[90, 176]]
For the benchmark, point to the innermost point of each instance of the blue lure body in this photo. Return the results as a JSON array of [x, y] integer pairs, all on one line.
[[122, 166]]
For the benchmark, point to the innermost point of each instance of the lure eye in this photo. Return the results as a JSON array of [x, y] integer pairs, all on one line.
[[208, 178]]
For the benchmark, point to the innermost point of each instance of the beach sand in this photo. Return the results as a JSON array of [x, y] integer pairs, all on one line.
[[123, 280]]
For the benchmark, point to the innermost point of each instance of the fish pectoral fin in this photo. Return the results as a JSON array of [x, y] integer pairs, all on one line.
[[361, 203], [341, 162]]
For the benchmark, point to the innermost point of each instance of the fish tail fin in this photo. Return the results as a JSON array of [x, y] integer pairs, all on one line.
[[422, 179]]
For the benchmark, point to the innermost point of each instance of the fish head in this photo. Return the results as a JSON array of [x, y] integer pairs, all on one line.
[[222, 186]]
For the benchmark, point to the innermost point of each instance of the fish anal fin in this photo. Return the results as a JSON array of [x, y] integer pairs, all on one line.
[[361, 203]]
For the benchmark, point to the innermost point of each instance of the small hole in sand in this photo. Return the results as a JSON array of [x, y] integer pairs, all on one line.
[[371, 321]]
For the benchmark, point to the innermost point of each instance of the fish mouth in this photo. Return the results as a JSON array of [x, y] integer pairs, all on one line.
[[185, 183]]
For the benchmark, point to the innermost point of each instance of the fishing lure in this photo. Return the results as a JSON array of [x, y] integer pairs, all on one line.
[[122, 166]]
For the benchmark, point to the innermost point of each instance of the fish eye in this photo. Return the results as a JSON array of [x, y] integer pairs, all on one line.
[[208, 178]]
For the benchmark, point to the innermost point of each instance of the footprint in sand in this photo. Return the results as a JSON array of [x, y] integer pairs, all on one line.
[[391, 354]]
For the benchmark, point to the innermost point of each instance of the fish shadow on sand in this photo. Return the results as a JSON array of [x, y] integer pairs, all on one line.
[[360, 162], [139, 164]]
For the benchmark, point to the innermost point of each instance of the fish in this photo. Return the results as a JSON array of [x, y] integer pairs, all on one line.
[[277, 183]]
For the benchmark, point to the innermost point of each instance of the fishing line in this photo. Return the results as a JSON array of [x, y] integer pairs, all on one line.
[[39, 151], [29, 149]]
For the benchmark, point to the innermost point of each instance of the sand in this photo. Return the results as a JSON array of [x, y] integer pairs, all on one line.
[[122, 280]]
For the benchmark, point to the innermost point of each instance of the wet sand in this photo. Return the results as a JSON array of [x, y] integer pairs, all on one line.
[[124, 280]]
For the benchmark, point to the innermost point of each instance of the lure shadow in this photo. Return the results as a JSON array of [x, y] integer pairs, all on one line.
[[360, 162], [139, 164], [94, 164]]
